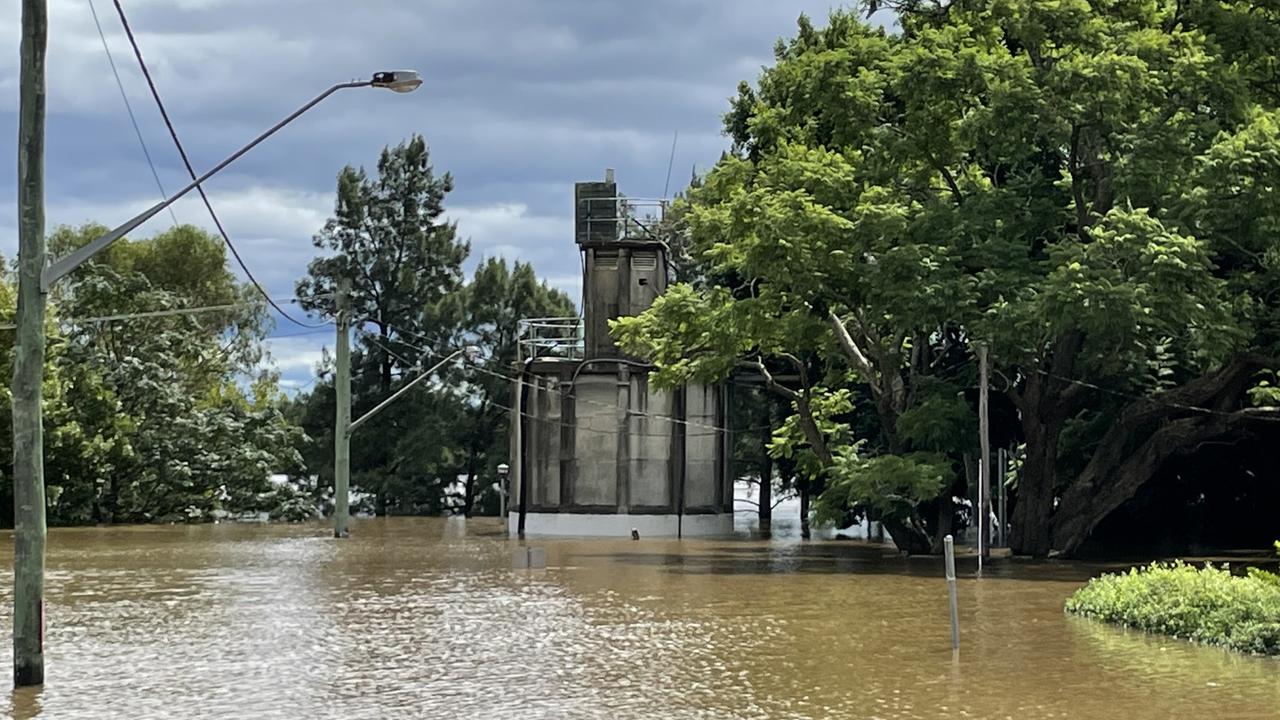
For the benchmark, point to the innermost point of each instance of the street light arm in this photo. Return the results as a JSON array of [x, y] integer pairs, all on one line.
[[425, 374], [74, 259]]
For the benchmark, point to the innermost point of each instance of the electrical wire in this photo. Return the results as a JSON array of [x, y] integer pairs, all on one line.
[[128, 106], [561, 393], [168, 312], [155, 93]]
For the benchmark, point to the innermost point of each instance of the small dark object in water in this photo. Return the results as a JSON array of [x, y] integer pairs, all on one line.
[[635, 534]]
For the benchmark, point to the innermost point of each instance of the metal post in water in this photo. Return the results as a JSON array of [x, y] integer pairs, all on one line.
[[984, 461], [950, 550], [1002, 517]]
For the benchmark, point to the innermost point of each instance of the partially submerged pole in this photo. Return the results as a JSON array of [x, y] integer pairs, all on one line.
[[950, 550], [517, 435], [342, 421], [28, 365], [984, 459]]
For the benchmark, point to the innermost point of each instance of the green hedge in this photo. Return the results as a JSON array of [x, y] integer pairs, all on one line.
[[1206, 605]]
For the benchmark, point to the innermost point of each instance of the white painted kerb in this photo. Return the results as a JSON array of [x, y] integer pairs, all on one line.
[[619, 526]]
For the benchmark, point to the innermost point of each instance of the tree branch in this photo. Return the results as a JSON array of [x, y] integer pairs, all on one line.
[[856, 356]]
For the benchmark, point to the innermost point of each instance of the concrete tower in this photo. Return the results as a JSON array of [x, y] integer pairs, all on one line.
[[601, 451]]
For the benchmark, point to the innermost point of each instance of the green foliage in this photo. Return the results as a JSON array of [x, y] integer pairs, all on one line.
[[941, 420], [826, 408], [389, 239], [1206, 605], [156, 418], [1086, 188], [1266, 393], [889, 486]]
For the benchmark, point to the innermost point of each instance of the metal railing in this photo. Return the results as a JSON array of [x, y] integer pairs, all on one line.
[[623, 218], [560, 337]]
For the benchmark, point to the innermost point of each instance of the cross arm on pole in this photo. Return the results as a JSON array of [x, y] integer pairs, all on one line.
[[471, 351]]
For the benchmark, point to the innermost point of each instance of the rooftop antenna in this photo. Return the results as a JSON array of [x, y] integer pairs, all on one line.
[[667, 187]]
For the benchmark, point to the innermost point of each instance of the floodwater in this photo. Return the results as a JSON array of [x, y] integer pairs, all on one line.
[[423, 618]]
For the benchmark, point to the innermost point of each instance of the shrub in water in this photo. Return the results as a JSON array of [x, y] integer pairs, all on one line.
[[1206, 605]]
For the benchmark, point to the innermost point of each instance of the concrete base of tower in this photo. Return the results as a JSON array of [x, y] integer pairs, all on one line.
[[620, 526]]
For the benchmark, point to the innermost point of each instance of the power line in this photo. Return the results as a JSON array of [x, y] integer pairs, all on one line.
[[129, 107], [714, 430], [586, 428], [308, 333], [168, 312], [155, 93], [669, 418]]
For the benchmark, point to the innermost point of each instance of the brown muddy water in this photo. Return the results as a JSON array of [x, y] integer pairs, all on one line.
[[423, 618]]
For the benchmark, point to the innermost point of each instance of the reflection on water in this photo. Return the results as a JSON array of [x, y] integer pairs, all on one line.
[[425, 618]]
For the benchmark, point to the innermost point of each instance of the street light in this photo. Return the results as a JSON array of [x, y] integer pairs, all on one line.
[[400, 81], [503, 469], [35, 277]]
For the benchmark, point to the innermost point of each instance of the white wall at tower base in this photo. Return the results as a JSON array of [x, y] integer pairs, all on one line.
[[620, 526]]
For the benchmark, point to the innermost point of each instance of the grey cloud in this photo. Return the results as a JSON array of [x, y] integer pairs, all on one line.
[[521, 99]]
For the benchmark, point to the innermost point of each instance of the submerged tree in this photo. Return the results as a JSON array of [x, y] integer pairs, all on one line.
[[158, 416], [1087, 189]]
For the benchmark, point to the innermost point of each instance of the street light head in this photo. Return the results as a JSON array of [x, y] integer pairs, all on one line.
[[503, 468], [401, 81], [472, 353]]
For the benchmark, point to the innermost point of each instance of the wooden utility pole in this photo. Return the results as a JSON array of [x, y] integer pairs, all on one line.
[[984, 460], [342, 421], [28, 365]]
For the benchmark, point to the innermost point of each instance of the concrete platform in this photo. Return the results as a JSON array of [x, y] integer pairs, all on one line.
[[620, 526]]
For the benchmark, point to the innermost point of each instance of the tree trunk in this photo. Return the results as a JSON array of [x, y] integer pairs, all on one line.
[[385, 366], [113, 499], [1048, 399], [1031, 531], [1098, 493], [469, 489], [1124, 461], [908, 535], [946, 517], [803, 487]]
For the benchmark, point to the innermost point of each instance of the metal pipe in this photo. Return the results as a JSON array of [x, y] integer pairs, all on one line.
[[524, 492], [950, 551], [984, 458]]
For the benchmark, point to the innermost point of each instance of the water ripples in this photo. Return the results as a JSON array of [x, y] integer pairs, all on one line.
[[414, 618]]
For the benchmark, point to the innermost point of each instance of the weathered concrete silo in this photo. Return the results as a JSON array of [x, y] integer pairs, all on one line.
[[597, 450]]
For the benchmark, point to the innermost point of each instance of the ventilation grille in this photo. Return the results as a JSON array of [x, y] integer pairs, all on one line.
[[644, 261], [607, 259]]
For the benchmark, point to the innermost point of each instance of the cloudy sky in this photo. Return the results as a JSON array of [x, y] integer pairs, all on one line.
[[522, 98]]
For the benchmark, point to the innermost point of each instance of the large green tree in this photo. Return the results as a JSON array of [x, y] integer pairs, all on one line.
[[156, 416], [1087, 188], [388, 238]]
